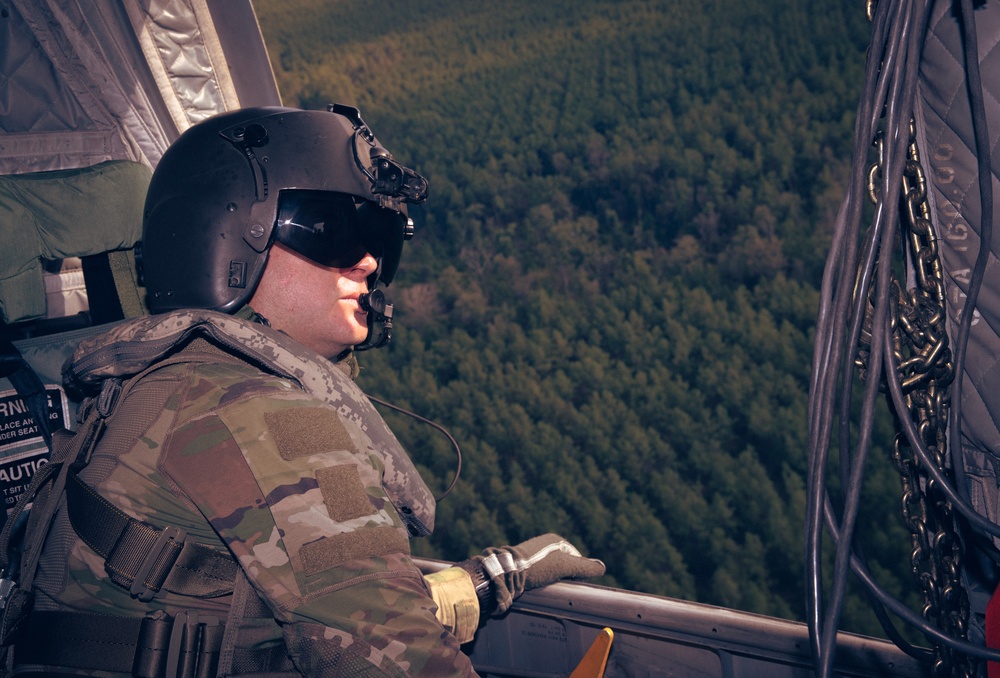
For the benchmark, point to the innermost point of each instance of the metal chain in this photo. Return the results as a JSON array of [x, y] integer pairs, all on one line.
[[925, 372]]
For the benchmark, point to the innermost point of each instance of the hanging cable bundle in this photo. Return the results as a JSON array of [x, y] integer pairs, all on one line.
[[897, 338]]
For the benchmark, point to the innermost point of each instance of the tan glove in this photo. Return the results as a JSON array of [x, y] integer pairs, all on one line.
[[501, 574]]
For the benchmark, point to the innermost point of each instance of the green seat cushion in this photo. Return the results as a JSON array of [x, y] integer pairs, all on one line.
[[66, 213]]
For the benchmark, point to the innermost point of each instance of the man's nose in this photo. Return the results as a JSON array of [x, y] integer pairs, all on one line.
[[366, 266]]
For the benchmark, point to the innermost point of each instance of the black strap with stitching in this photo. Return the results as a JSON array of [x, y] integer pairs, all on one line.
[[186, 645], [144, 558]]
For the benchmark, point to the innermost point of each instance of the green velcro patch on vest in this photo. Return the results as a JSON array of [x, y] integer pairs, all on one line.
[[301, 431], [343, 492], [369, 542]]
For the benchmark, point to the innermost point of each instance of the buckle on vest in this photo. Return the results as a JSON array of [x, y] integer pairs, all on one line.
[[155, 566], [187, 645], [195, 641]]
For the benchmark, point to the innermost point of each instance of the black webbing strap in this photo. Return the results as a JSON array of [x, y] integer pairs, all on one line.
[[185, 646], [102, 293], [155, 646], [144, 558]]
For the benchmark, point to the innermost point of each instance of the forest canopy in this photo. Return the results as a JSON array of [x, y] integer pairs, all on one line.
[[611, 295]]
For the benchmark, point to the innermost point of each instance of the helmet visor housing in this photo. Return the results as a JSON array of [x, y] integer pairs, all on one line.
[[338, 229]]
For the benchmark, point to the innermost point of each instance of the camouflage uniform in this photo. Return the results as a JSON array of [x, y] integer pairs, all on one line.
[[257, 446]]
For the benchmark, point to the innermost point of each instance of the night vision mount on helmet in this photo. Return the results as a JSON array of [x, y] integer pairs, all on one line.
[[233, 185]]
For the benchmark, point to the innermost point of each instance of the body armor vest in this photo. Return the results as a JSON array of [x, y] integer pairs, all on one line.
[[151, 558]]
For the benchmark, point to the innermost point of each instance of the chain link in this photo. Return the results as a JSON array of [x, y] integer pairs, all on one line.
[[925, 372]]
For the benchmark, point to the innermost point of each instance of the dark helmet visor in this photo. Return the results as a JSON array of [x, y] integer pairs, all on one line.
[[338, 229]]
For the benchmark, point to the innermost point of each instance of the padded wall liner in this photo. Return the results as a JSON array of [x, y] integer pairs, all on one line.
[[85, 81], [947, 145]]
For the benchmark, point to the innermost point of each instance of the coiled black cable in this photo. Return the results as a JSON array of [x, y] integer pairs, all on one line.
[[898, 31], [844, 282]]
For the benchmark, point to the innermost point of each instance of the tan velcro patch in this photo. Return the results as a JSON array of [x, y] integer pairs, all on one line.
[[301, 431], [343, 492], [368, 542]]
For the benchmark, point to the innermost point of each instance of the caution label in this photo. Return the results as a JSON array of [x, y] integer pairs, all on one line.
[[22, 448]]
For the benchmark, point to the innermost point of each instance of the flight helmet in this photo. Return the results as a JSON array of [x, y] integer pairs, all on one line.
[[231, 186]]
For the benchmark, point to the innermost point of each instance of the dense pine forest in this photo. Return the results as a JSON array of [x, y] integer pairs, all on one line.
[[610, 298]]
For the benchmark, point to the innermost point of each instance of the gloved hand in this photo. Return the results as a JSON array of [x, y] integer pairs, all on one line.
[[501, 574]]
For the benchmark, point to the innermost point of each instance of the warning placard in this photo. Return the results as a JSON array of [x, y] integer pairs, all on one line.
[[22, 448]]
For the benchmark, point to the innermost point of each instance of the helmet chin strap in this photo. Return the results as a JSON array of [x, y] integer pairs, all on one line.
[[379, 320]]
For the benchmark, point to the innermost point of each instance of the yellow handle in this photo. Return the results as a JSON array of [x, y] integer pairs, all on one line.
[[594, 662]]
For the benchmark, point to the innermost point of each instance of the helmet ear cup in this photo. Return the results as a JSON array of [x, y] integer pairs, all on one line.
[[193, 255]]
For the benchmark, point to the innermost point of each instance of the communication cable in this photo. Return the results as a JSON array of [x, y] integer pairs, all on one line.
[[439, 427]]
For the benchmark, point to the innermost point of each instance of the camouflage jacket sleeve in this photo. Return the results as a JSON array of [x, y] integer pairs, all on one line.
[[286, 484]]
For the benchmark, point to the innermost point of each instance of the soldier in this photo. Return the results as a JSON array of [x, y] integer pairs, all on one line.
[[243, 508]]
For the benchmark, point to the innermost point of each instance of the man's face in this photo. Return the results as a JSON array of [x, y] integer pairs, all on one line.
[[315, 305]]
